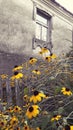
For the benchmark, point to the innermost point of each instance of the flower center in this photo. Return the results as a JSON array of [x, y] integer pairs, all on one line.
[[36, 70], [14, 122], [9, 109], [2, 123], [46, 58], [36, 93], [30, 109], [26, 128], [16, 108], [15, 66], [18, 128], [16, 73], [31, 58], [67, 89], [54, 116]]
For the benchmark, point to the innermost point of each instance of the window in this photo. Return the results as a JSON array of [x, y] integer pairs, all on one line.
[[42, 25]]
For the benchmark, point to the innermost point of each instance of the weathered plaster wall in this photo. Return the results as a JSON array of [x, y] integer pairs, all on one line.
[[16, 25], [61, 36]]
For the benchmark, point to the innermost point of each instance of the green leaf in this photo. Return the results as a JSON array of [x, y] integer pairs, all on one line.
[[57, 89], [44, 122], [25, 91], [54, 125], [60, 110]]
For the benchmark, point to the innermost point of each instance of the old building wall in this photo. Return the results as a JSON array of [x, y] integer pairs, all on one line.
[[61, 27], [16, 25], [61, 36]]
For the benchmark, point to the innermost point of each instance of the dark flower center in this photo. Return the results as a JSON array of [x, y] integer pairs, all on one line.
[[26, 128], [16, 73], [9, 109], [15, 66], [67, 89], [54, 116], [36, 93], [14, 122], [31, 109], [2, 123], [16, 108], [45, 47], [36, 70], [18, 128], [46, 58], [31, 58]]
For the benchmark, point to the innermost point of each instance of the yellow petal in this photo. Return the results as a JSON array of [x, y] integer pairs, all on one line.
[[35, 113], [31, 98], [29, 114], [38, 98], [35, 106], [63, 89], [71, 127], [42, 95]]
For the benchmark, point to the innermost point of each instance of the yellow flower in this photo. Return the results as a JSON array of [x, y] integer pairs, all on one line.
[[40, 52], [6, 129], [53, 56], [16, 68], [26, 105], [1, 113], [17, 75], [4, 76], [26, 127], [44, 50], [14, 121], [71, 127], [32, 60], [56, 117], [17, 109], [48, 58], [66, 91], [38, 128], [10, 109], [37, 96], [37, 72], [2, 123], [26, 97], [32, 111]]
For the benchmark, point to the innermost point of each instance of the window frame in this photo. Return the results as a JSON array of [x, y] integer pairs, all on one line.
[[48, 18], [35, 41]]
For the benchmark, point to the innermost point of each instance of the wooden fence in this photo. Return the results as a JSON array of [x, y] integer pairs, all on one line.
[[11, 95]]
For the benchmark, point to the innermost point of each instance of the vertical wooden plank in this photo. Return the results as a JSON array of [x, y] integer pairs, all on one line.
[[9, 93], [17, 93], [1, 96]]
